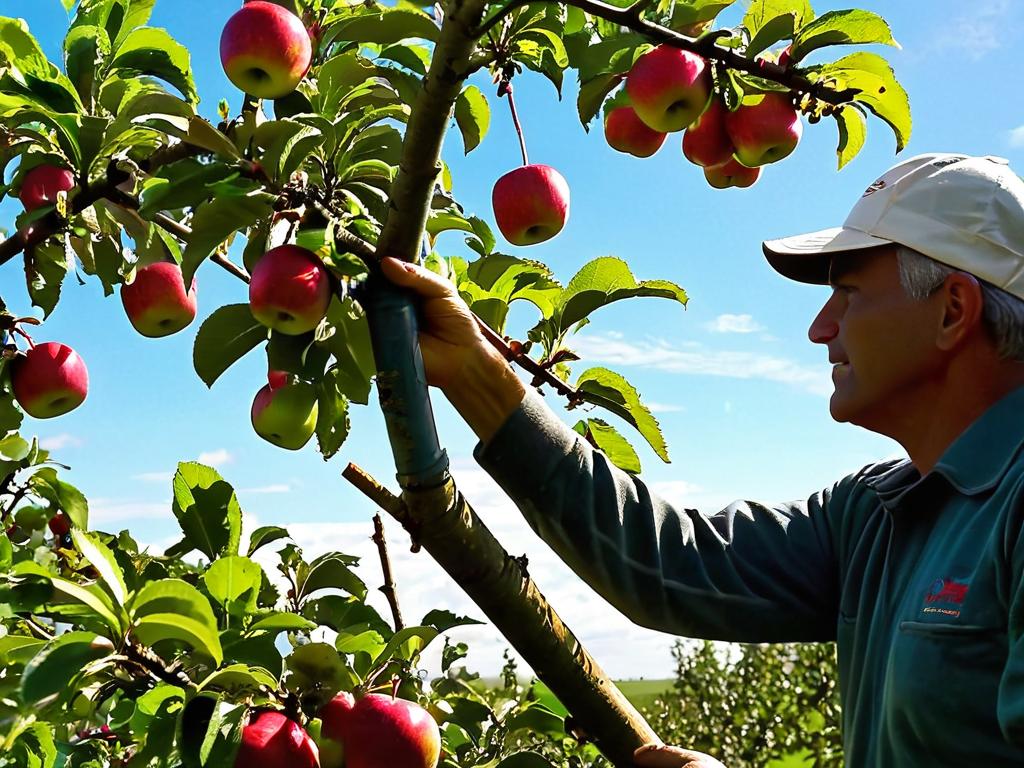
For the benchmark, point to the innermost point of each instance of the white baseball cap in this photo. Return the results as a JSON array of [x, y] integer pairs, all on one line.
[[966, 212]]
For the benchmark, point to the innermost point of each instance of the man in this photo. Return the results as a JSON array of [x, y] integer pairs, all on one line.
[[915, 567]]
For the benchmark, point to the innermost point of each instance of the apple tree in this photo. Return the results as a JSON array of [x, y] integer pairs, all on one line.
[[115, 655]]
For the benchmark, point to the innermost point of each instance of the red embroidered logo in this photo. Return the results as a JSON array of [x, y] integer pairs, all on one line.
[[943, 595]]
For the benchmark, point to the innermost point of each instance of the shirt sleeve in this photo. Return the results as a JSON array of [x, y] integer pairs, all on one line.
[[750, 573]]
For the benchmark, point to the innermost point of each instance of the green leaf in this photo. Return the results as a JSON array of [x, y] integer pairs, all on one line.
[[852, 132], [332, 419], [525, 760], [414, 57], [156, 627], [46, 265], [537, 718], [769, 21], [234, 582], [281, 621], [879, 90], [612, 444], [854, 27], [173, 596], [265, 535], [91, 597], [49, 671], [239, 677], [331, 571], [473, 116], [19, 48], [189, 182], [102, 559], [285, 144], [442, 621], [319, 665], [406, 644], [592, 95], [384, 26], [599, 283], [223, 338], [217, 220], [619, 396], [65, 496], [151, 51], [207, 510], [368, 641], [85, 48], [202, 134], [347, 335], [18, 649]]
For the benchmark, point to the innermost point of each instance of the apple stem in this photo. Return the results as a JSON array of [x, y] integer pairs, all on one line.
[[17, 330], [505, 89]]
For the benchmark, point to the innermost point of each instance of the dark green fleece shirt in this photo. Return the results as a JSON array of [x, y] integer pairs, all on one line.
[[918, 579]]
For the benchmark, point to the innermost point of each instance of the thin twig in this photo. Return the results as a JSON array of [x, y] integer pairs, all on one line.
[[705, 46], [179, 230], [385, 564]]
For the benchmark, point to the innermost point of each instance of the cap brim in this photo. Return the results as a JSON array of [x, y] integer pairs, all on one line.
[[805, 258]]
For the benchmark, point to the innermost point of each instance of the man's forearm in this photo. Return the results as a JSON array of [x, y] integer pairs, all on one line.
[[486, 394]]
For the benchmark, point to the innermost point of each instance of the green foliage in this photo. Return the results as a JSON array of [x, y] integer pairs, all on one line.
[[753, 706]]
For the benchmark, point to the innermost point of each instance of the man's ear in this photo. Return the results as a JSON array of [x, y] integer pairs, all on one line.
[[962, 309]]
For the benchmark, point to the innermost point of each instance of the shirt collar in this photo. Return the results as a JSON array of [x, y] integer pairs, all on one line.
[[977, 460]]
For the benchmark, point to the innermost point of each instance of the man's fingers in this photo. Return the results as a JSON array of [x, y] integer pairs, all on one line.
[[417, 278], [662, 756]]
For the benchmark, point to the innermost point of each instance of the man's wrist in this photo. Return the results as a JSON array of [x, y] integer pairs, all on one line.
[[486, 393]]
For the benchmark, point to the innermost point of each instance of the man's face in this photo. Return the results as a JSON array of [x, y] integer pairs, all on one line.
[[881, 342]]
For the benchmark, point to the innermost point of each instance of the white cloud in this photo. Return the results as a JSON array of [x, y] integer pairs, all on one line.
[[975, 33], [1016, 137], [215, 458], [702, 361], [154, 477], [57, 442], [733, 324], [422, 585], [105, 511]]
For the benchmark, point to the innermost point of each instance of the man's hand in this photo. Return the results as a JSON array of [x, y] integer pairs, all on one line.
[[661, 756], [449, 337], [456, 356]]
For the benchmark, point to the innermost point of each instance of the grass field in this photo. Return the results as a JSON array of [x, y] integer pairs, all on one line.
[[642, 693]]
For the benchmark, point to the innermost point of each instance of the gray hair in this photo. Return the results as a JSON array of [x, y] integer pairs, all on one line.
[[1002, 313]]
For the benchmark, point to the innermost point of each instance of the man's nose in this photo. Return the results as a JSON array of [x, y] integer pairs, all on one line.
[[824, 327]]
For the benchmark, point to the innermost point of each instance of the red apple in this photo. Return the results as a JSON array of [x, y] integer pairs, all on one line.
[[271, 740], [764, 131], [669, 88], [531, 204], [706, 143], [627, 133], [277, 379], [41, 185], [60, 525], [265, 50], [289, 290], [731, 173], [286, 415], [332, 716], [382, 730], [50, 380], [156, 301]]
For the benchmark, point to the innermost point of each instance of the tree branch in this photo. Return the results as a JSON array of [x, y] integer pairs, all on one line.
[[443, 522], [705, 46], [385, 565]]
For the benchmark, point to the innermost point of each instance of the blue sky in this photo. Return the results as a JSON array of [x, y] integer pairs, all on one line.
[[739, 390]]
